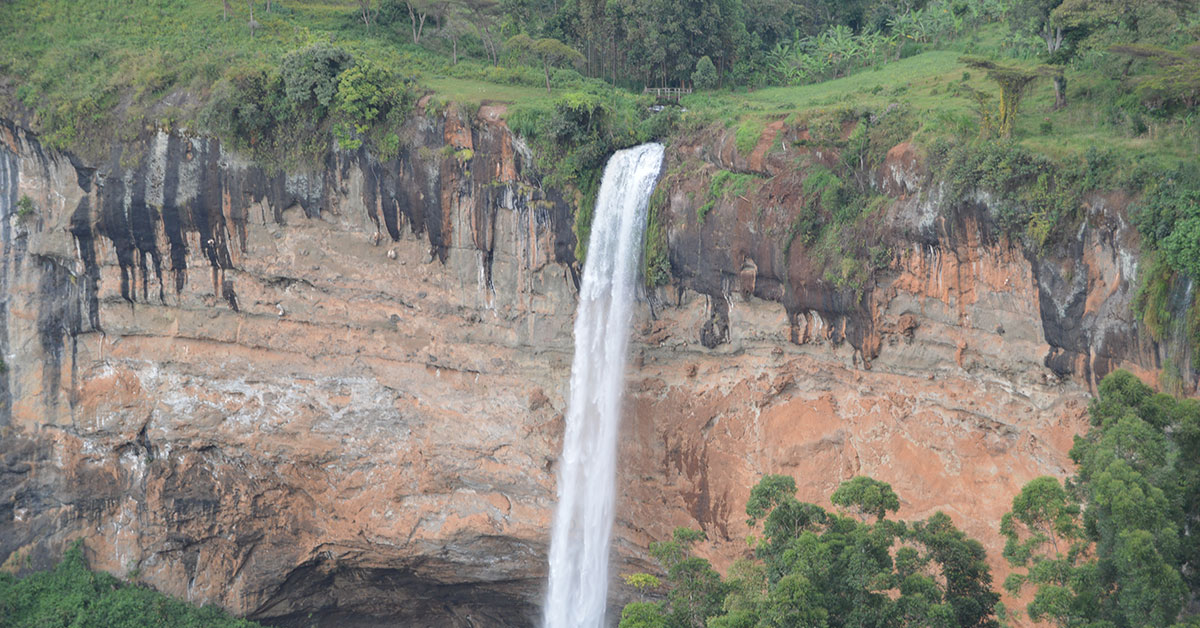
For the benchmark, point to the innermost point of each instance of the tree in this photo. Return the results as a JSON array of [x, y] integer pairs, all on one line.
[[482, 15], [1114, 547], [1048, 20], [697, 590], [252, 23], [310, 76], [550, 51], [705, 76], [1043, 522], [642, 615], [1014, 83], [1177, 81], [866, 497], [452, 24], [1037, 17], [365, 12], [963, 568], [818, 569], [420, 10]]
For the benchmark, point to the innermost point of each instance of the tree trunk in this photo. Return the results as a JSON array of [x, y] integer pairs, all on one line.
[[1053, 36], [417, 19], [365, 6], [546, 69], [1060, 91], [492, 44]]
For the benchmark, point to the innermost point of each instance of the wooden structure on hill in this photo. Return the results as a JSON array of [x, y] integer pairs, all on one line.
[[668, 93]]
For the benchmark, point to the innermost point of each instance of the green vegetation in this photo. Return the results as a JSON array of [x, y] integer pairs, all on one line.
[[1066, 97], [819, 568], [724, 185], [71, 595], [1115, 546], [1169, 220], [705, 76], [24, 206], [748, 133], [549, 51], [656, 263], [575, 134]]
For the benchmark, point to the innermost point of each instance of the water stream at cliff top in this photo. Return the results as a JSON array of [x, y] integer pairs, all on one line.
[[583, 523]]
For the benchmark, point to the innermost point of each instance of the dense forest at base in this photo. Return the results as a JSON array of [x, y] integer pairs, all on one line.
[[73, 596]]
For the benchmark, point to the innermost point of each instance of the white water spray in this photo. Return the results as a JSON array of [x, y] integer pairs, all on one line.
[[587, 470]]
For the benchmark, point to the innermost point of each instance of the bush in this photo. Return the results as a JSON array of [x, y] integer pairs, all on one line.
[[24, 206], [656, 263], [575, 135], [724, 185], [72, 595], [705, 76], [310, 76], [244, 108], [1169, 218]]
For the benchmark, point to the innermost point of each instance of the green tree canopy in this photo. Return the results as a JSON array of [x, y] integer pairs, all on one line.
[[1114, 546], [813, 568], [551, 52], [866, 496]]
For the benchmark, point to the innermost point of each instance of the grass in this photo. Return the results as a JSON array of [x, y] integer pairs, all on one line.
[[85, 72], [467, 91], [97, 70], [928, 84], [748, 133]]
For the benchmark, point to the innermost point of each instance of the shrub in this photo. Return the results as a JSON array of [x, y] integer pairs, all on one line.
[[24, 206], [748, 134], [724, 184], [575, 135], [245, 107], [310, 76], [72, 595], [370, 99], [1169, 218], [705, 76]]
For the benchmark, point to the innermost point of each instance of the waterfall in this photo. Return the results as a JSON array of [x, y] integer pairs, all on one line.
[[583, 523]]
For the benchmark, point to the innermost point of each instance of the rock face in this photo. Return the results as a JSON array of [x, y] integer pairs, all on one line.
[[289, 394], [337, 395]]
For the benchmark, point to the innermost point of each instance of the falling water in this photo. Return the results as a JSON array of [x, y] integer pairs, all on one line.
[[587, 469]]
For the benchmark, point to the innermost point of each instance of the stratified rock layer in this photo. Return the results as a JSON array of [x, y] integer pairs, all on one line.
[[337, 395]]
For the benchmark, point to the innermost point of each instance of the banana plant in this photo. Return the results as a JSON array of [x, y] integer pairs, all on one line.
[[839, 46], [781, 61]]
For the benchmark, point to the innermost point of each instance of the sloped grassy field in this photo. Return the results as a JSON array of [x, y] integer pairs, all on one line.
[[81, 65]]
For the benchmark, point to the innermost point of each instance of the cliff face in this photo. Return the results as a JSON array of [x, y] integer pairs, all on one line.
[[289, 394], [338, 394]]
